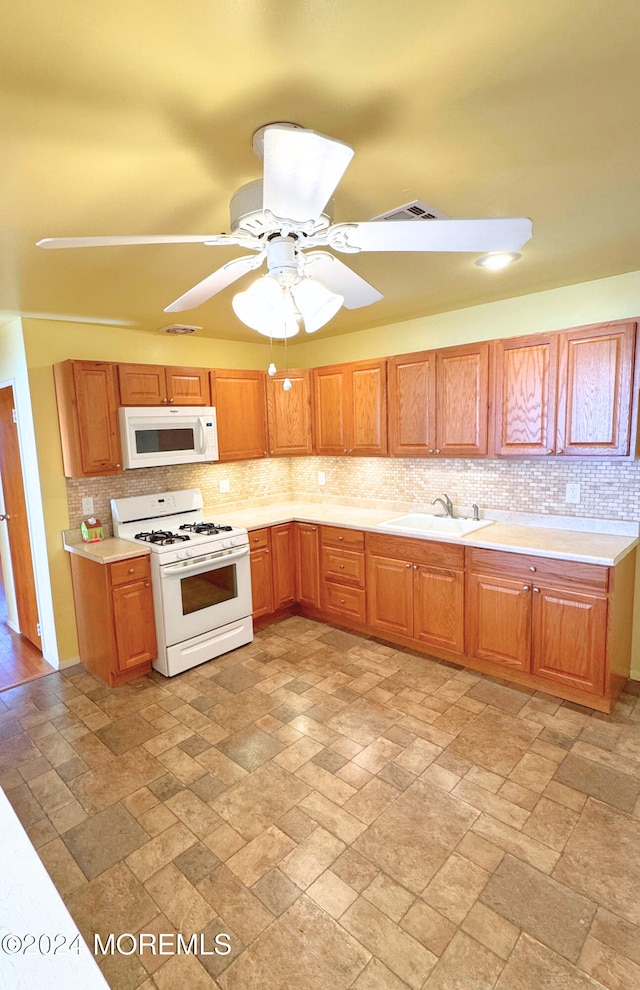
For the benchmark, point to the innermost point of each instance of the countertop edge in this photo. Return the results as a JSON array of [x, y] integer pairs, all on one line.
[[107, 551]]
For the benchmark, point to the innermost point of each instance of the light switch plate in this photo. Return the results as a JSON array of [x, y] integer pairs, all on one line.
[[321, 478], [225, 486], [573, 493], [87, 506]]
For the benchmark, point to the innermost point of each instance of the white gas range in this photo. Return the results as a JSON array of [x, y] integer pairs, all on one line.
[[200, 574]]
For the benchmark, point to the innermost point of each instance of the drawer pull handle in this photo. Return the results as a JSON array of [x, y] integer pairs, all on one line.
[[407, 565], [131, 570], [342, 601], [341, 537], [537, 591], [147, 584], [532, 568], [341, 567], [526, 587]]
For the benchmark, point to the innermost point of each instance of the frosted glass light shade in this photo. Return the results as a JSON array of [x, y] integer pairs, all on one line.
[[316, 304], [267, 307]]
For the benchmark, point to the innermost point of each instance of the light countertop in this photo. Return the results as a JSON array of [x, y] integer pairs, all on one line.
[[605, 548], [107, 551]]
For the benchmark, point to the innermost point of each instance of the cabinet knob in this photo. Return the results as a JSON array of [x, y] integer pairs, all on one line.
[[415, 567], [117, 465], [313, 528], [341, 567], [342, 601], [264, 453], [537, 591], [431, 450], [525, 587], [266, 551], [147, 584], [131, 570], [164, 400], [407, 565], [341, 537], [170, 400], [560, 450], [549, 452], [437, 450]]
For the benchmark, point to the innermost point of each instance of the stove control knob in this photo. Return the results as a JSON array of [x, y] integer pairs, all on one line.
[[181, 554]]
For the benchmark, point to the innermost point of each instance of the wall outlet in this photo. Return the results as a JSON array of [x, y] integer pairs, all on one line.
[[321, 478], [87, 507], [573, 493], [225, 486]]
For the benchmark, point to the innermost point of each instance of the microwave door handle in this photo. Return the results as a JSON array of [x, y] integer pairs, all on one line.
[[223, 559], [201, 435]]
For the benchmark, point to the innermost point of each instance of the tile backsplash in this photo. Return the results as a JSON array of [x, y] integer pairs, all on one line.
[[608, 489]]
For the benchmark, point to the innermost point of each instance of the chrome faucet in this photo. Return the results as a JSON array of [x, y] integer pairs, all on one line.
[[446, 504]]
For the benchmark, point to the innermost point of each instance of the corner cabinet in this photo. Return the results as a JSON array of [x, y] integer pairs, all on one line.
[[87, 399], [350, 408], [439, 402], [273, 573], [241, 412], [114, 617]]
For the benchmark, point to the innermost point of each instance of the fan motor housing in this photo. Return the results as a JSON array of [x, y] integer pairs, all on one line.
[[247, 213]]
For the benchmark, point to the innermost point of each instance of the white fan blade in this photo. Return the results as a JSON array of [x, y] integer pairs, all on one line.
[[82, 242], [301, 171], [339, 278], [214, 283], [480, 236]]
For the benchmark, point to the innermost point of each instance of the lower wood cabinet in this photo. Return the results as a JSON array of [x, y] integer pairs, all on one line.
[[415, 589], [559, 626], [114, 617]]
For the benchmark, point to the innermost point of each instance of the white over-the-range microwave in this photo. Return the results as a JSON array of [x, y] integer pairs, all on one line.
[[154, 436]]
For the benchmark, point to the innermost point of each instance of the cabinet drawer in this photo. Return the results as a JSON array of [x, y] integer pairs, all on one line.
[[430, 552], [133, 569], [348, 602], [343, 566], [335, 536], [539, 570], [259, 539]]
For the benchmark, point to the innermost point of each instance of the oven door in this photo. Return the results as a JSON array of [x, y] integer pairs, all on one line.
[[203, 593]]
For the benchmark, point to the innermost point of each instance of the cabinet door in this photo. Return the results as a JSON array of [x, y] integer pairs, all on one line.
[[307, 564], [142, 384], [283, 559], [499, 620], [87, 397], [289, 414], [368, 408], [412, 404], [438, 607], [569, 638], [188, 386], [134, 624], [261, 582], [241, 413], [330, 409], [390, 595], [526, 381], [595, 378], [462, 381]]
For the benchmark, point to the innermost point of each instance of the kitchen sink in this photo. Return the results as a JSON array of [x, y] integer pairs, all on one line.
[[423, 522]]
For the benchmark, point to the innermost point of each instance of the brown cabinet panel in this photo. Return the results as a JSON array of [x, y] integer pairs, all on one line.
[[134, 624], [345, 602], [289, 414], [462, 375], [526, 372], [259, 538], [499, 620], [188, 386], [342, 566], [336, 536], [533, 570], [307, 564], [87, 398], [241, 413], [283, 553], [569, 638], [412, 404], [438, 608], [594, 396], [368, 419], [330, 410], [390, 595], [128, 571], [142, 384], [431, 552], [261, 582]]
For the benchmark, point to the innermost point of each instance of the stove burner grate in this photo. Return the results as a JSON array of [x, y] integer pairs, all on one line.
[[206, 529], [162, 537]]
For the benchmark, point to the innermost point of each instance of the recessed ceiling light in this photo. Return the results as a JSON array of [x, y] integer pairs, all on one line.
[[496, 260]]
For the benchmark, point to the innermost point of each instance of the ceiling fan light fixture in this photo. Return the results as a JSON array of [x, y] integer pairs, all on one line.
[[267, 307], [495, 261], [316, 303]]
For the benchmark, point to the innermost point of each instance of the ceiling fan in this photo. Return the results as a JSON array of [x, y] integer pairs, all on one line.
[[285, 217]]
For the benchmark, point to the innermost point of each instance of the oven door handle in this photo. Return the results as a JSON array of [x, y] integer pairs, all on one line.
[[197, 565]]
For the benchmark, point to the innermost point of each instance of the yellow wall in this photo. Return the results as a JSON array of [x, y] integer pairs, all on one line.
[[47, 342]]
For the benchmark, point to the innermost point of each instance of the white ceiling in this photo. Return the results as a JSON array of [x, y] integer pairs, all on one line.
[[135, 117]]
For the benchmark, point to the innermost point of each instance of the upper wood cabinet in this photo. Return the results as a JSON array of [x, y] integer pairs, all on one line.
[[154, 385], [289, 414], [87, 398], [241, 413], [350, 408], [566, 393], [439, 402]]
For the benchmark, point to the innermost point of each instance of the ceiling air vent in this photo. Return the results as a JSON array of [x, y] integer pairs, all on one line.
[[416, 210], [179, 328]]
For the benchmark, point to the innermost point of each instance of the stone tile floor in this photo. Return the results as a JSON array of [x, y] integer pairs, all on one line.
[[351, 815]]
